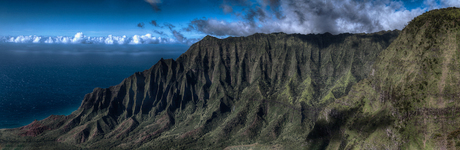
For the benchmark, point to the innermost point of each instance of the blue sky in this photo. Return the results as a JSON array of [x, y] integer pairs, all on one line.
[[193, 19], [94, 17]]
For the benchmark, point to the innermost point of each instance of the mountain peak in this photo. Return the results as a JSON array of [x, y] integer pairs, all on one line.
[[435, 18], [209, 38]]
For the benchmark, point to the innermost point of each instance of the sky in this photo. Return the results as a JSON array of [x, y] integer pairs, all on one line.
[[187, 21]]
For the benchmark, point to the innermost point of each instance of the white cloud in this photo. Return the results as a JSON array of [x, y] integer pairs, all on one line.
[[451, 3], [314, 16], [80, 38]]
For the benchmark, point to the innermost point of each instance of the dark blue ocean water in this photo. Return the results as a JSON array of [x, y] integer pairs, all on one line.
[[38, 80]]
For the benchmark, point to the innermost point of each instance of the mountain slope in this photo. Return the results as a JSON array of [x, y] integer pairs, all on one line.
[[411, 100], [264, 88]]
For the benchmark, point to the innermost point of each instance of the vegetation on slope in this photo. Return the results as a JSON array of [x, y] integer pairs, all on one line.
[[411, 100]]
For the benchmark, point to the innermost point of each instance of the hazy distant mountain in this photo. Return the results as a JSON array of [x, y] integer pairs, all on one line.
[[279, 91]]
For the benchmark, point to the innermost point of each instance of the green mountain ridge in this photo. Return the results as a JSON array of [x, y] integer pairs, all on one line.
[[411, 99], [264, 88], [386, 90]]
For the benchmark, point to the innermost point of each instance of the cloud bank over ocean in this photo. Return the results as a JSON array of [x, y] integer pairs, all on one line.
[[80, 38]]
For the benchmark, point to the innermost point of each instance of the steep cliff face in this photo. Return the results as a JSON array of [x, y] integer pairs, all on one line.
[[264, 88], [411, 100]]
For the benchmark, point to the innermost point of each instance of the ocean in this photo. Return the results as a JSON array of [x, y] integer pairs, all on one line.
[[39, 80]]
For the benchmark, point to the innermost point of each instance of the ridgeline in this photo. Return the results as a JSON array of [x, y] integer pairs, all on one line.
[[386, 90]]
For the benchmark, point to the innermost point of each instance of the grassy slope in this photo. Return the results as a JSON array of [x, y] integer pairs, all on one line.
[[412, 99]]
